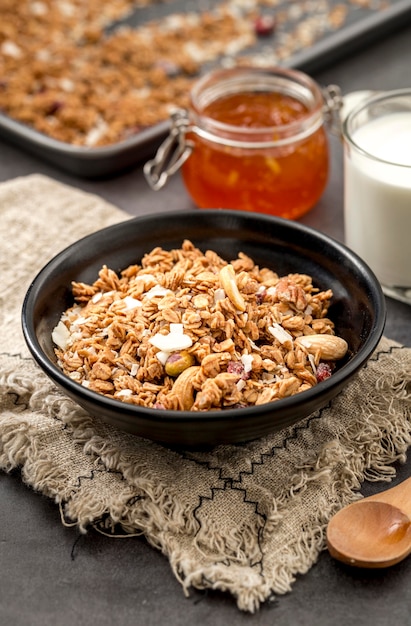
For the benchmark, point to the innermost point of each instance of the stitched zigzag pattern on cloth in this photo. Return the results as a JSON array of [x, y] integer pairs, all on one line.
[[246, 519]]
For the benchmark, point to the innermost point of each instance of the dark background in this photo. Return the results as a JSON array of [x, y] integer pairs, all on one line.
[[52, 575]]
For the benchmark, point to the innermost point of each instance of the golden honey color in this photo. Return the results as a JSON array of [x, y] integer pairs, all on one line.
[[284, 180]]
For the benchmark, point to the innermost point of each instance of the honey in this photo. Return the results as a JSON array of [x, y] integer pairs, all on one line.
[[285, 181], [254, 140]]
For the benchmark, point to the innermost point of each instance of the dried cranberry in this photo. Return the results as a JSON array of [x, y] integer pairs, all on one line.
[[235, 367], [160, 406], [264, 25], [54, 107], [260, 296], [324, 371]]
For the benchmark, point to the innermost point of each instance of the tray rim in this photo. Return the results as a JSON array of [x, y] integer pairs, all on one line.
[[89, 162]]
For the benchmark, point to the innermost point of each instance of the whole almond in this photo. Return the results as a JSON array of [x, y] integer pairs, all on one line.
[[330, 347]]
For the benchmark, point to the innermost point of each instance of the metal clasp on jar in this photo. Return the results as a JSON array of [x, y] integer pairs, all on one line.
[[171, 154]]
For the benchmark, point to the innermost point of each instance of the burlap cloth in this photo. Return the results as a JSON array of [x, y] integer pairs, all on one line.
[[246, 518]]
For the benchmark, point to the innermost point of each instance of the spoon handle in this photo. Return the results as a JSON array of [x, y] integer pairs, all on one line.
[[399, 496]]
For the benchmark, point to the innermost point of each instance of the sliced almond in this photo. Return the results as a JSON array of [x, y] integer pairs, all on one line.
[[228, 282], [330, 347]]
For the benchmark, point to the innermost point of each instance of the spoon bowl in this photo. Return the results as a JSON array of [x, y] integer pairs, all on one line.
[[374, 532]]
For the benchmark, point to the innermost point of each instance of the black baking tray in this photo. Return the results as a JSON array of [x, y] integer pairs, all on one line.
[[358, 32]]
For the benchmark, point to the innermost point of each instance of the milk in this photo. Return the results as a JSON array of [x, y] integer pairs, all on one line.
[[378, 196]]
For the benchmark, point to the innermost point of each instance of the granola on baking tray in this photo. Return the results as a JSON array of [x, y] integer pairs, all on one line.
[[186, 330], [77, 71]]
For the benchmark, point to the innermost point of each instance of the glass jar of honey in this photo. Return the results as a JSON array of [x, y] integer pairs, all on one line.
[[253, 139]]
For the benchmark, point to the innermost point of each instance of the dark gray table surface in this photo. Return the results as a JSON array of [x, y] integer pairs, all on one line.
[[50, 575]]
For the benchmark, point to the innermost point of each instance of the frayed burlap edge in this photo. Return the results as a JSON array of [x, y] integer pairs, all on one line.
[[112, 481]]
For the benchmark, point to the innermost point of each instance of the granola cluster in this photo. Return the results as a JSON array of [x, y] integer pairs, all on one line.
[[64, 74], [75, 71], [185, 330]]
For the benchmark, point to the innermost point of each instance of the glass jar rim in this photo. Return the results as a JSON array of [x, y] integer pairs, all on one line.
[[361, 107], [221, 82]]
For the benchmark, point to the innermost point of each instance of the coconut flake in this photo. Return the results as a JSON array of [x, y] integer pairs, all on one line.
[[171, 342], [254, 345], [97, 297], [134, 369], [96, 133], [66, 8], [219, 294], [281, 334], [81, 320], [67, 85], [157, 290], [247, 361], [132, 303], [144, 277], [163, 356], [11, 49], [60, 335], [38, 8], [178, 329], [311, 358], [74, 336], [124, 393]]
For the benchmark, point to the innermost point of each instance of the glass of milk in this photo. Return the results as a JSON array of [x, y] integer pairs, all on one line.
[[377, 188]]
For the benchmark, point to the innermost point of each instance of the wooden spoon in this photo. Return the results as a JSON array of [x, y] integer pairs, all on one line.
[[375, 531]]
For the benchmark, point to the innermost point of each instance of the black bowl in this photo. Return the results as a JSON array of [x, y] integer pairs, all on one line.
[[358, 310]]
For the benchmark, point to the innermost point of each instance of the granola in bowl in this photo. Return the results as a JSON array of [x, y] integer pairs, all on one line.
[[187, 330], [255, 246]]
